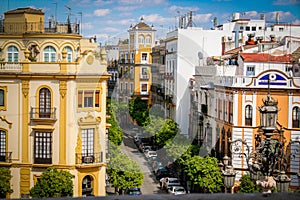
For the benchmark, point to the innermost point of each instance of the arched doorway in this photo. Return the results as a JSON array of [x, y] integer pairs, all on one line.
[[87, 186]]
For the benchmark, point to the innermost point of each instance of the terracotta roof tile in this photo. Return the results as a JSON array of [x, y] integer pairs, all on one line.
[[263, 57]]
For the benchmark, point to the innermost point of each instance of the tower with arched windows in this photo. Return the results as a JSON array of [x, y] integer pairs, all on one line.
[[52, 103]]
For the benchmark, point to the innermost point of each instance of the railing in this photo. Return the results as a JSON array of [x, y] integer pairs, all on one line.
[[89, 158], [39, 27], [11, 66], [5, 157], [39, 113], [144, 77]]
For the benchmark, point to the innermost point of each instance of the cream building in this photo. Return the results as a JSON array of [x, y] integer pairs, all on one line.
[[52, 103]]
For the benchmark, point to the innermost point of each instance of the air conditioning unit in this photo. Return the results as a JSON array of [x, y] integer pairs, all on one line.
[[88, 159]]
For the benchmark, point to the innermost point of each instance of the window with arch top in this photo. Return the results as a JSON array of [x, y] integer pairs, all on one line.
[[248, 115], [69, 54], [12, 54], [44, 103], [49, 54], [296, 117]]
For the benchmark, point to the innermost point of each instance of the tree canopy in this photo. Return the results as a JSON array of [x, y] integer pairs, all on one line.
[[122, 171], [205, 173], [166, 133], [5, 177], [138, 110], [53, 183]]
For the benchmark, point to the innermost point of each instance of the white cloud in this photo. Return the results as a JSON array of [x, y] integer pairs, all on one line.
[[297, 21], [126, 8], [103, 2], [182, 9], [144, 2], [156, 18], [251, 13], [286, 2], [202, 18], [111, 29], [121, 22], [101, 12], [87, 26]]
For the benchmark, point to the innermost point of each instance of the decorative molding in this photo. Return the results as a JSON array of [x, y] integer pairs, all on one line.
[[89, 120], [3, 118], [25, 88], [63, 88]]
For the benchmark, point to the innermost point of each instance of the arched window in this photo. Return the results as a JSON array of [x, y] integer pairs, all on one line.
[[148, 39], [141, 39], [87, 186], [69, 54], [44, 103], [12, 54], [296, 117], [49, 54], [248, 115]]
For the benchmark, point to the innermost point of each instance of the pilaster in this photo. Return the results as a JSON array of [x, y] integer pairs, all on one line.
[[62, 122]]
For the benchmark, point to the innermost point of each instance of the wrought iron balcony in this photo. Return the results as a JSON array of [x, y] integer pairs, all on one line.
[[89, 158], [39, 113], [5, 157]]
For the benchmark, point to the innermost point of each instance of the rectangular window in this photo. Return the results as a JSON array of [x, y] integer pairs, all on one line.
[[253, 28], [247, 28], [131, 88], [80, 98], [43, 147], [144, 88], [3, 97], [250, 70], [88, 98], [144, 57]]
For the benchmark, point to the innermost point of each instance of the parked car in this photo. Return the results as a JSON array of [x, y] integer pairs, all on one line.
[[169, 182], [176, 190], [150, 154], [134, 191]]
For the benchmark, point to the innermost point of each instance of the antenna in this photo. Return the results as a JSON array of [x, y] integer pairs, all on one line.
[[55, 11]]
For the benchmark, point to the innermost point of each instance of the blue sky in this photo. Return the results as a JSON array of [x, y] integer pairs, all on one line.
[[110, 19]]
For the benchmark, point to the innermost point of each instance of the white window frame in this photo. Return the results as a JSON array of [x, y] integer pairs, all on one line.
[[12, 54]]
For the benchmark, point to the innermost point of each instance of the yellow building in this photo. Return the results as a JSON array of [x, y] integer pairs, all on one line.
[[52, 103], [135, 59]]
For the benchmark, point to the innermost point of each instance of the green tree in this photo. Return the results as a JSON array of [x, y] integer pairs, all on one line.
[[5, 177], [138, 110], [154, 125], [247, 185], [205, 173], [167, 132], [53, 183], [178, 146], [122, 171]]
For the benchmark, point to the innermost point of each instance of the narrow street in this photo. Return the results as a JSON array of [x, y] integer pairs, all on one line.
[[150, 185]]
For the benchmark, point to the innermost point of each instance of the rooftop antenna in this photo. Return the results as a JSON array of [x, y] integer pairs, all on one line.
[[190, 19], [69, 8], [55, 17]]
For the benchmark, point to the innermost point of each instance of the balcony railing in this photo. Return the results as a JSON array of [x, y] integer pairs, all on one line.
[[144, 77], [5, 157], [39, 27], [89, 158], [38, 113], [11, 66]]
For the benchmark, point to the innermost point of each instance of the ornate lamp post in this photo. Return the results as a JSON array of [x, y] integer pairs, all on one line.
[[268, 160]]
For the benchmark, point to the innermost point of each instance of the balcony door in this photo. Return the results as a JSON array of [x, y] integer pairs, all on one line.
[[44, 103], [88, 145]]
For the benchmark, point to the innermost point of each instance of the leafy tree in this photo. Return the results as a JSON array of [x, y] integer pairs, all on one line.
[[178, 146], [138, 110], [247, 185], [53, 183], [5, 177], [205, 173], [123, 172], [166, 133], [154, 125]]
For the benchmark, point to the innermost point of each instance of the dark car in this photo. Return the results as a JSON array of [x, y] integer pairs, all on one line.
[[134, 191]]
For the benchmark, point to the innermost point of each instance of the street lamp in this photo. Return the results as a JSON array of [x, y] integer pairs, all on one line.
[[268, 160], [228, 173]]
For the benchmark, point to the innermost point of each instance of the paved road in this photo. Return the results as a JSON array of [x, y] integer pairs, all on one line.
[[150, 185]]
